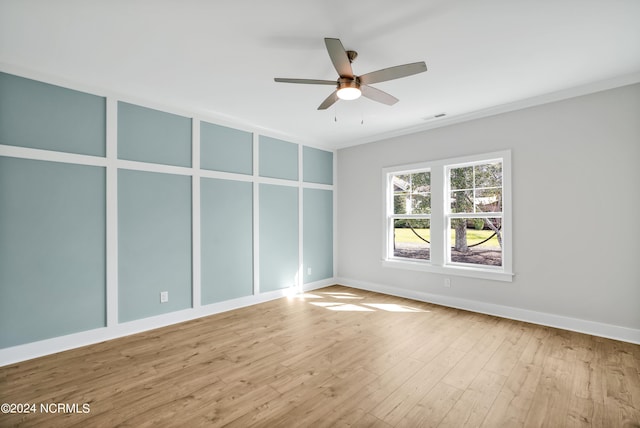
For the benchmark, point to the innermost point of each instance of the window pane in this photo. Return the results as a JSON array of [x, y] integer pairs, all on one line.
[[421, 182], [476, 189], [461, 178], [412, 193], [476, 241], [403, 180], [488, 175], [421, 203], [462, 201], [400, 200], [411, 238], [488, 200]]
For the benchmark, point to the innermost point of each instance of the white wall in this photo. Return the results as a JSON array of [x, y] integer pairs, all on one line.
[[576, 213]]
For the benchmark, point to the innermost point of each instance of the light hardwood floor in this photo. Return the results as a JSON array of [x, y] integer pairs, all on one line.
[[337, 357]]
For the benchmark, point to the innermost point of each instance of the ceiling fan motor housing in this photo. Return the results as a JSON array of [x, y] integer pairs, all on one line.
[[349, 82]]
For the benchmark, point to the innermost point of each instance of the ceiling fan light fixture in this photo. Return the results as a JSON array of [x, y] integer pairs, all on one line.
[[348, 89], [349, 93]]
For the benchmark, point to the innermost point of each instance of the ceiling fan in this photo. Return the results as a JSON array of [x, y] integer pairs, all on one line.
[[349, 86]]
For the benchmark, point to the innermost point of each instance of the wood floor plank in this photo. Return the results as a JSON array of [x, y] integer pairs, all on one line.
[[277, 408], [403, 399], [376, 392], [478, 326], [472, 407], [537, 348], [322, 407], [371, 421], [513, 402], [582, 412], [433, 407], [336, 357], [471, 365], [550, 402], [508, 353]]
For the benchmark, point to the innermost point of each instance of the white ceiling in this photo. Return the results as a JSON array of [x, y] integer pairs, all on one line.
[[218, 58]]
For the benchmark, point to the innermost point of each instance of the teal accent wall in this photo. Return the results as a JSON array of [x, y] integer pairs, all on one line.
[[226, 239], [42, 116], [317, 165], [56, 222], [148, 135], [154, 243], [278, 159], [52, 249], [225, 149], [278, 237], [317, 234]]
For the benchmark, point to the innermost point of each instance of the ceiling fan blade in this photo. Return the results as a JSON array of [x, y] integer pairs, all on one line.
[[339, 57], [331, 99], [378, 95], [306, 81], [393, 73]]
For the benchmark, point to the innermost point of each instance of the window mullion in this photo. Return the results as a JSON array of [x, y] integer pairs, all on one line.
[[439, 201], [475, 215], [388, 210], [419, 216]]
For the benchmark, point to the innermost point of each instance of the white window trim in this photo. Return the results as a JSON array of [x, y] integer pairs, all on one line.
[[439, 218]]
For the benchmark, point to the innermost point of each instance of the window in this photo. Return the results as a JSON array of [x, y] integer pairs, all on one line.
[[450, 216], [411, 214]]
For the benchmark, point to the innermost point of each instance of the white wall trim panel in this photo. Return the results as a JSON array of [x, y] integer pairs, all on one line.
[[112, 212], [256, 214], [51, 156], [196, 251]]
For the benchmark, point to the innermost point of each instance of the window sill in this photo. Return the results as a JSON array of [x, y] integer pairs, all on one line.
[[467, 271]]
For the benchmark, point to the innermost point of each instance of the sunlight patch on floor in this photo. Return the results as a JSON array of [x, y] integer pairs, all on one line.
[[338, 305], [349, 307], [338, 295], [308, 296], [325, 304], [392, 307]]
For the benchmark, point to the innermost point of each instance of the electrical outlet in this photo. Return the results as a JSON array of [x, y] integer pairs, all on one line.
[[164, 296], [308, 271], [447, 282]]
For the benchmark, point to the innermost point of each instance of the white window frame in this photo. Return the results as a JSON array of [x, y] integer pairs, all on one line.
[[441, 216]]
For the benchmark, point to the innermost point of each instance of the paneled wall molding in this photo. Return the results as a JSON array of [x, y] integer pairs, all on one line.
[[72, 158], [156, 103], [196, 244], [123, 177], [51, 156], [112, 211]]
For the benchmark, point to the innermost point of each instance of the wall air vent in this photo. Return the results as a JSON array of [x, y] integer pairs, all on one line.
[[437, 116]]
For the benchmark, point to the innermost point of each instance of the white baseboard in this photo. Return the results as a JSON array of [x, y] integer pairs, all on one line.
[[609, 331], [54, 345], [32, 350]]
